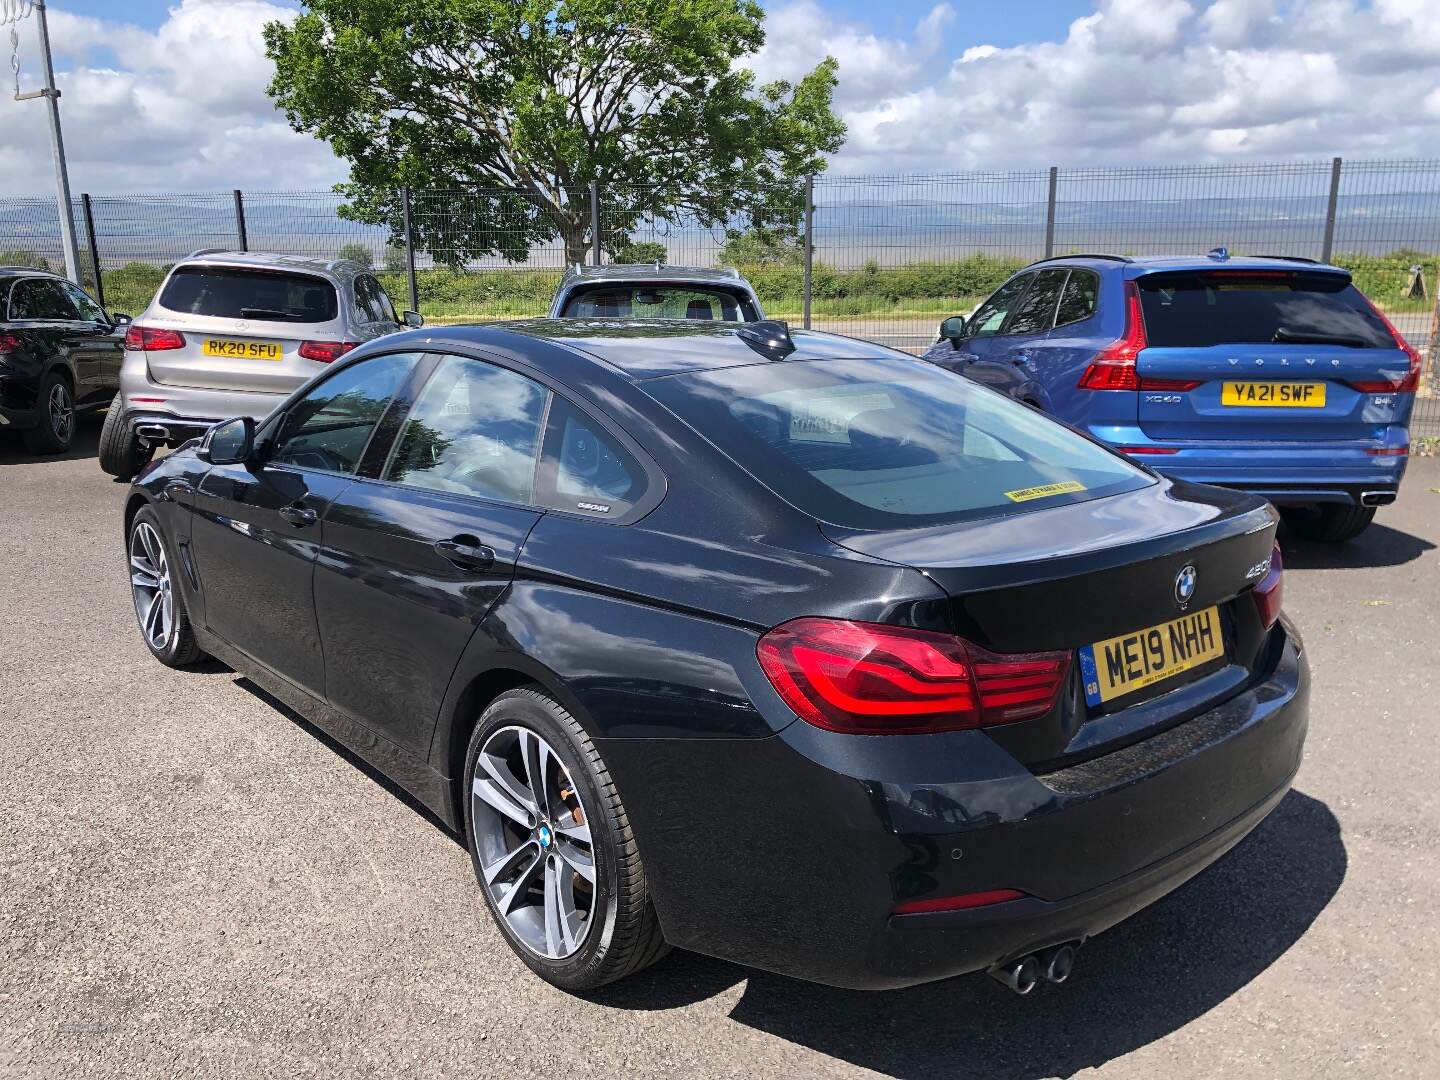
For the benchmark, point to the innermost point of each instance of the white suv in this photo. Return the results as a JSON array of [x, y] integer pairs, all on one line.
[[230, 334]]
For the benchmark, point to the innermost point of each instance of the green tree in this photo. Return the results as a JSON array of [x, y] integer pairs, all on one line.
[[642, 251], [763, 247], [359, 253], [521, 103], [23, 257]]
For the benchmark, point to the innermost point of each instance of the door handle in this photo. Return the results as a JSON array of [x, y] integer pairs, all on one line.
[[466, 552], [1021, 357], [298, 515]]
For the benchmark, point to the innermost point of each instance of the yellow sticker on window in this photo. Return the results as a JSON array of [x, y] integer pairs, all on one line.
[[1065, 487]]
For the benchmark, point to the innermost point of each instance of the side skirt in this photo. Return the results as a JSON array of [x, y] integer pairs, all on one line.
[[426, 785]]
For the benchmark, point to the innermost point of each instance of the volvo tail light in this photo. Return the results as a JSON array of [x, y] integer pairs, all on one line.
[[1408, 383], [1115, 366], [326, 352], [149, 339], [1270, 592], [868, 679]]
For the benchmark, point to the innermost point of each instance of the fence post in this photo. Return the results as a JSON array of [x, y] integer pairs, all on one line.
[[595, 222], [240, 221], [1327, 246], [807, 289], [94, 249], [409, 248], [1050, 214]]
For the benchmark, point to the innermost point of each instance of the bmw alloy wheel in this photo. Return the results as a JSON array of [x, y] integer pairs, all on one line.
[[532, 836], [151, 586]]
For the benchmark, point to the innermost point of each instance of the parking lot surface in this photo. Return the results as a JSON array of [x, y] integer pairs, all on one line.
[[195, 882]]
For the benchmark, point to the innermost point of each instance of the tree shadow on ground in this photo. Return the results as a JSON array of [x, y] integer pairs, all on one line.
[[1379, 545], [86, 444], [1146, 978]]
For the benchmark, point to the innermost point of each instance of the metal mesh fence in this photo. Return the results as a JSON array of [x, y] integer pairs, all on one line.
[[891, 255]]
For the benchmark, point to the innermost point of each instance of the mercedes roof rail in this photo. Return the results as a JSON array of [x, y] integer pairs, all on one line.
[[198, 252]]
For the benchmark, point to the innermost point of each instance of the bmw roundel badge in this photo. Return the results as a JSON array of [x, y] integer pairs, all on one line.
[[1185, 585]]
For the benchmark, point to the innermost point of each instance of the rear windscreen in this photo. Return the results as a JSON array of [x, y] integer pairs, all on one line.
[[262, 295], [879, 444], [1253, 307], [658, 302]]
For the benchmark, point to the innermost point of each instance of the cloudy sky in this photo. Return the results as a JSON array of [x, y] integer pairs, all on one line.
[[170, 96]]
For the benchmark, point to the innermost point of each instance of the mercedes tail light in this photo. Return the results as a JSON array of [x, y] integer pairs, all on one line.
[[869, 679], [1270, 592], [149, 339], [326, 352]]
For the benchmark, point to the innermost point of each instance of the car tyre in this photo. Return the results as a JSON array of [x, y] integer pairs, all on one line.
[[620, 933], [155, 587], [1328, 523], [54, 431], [121, 454]]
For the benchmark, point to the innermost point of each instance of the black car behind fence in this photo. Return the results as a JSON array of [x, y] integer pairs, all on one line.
[[889, 256]]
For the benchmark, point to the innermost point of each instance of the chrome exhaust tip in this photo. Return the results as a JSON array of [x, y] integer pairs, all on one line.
[[1377, 498], [1019, 975], [153, 432], [1056, 964]]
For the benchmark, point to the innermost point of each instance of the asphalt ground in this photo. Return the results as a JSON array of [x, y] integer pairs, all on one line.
[[195, 882]]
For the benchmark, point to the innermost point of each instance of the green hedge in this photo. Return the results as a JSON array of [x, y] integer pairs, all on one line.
[[942, 288]]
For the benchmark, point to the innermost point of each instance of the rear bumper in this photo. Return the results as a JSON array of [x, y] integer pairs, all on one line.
[[191, 410], [791, 853], [1284, 473]]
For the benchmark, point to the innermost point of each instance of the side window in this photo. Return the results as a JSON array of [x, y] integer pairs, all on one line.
[[475, 429], [990, 315], [1035, 313], [368, 295], [41, 298], [584, 468], [89, 310], [328, 428], [1077, 299], [387, 306]]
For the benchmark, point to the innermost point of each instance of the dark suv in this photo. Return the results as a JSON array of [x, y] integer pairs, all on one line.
[[59, 354]]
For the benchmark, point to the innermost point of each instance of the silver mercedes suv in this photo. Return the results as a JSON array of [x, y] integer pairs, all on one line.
[[233, 333]]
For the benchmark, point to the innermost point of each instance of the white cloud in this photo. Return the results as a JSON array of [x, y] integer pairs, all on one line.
[[1136, 81], [180, 108]]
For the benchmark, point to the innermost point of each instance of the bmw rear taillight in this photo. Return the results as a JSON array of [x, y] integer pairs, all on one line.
[[149, 339], [1270, 592], [1408, 383], [869, 679], [1115, 366], [9, 343], [326, 352]]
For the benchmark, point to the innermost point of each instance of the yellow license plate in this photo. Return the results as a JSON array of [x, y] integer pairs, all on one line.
[[242, 350], [1122, 665], [1293, 395]]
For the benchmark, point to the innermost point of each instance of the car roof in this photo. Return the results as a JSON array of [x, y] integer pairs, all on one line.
[[719, 275], [1136, 265], [26, 271], [649, 348], [272, 260]]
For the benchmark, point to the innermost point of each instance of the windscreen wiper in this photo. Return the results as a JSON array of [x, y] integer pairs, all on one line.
[[1300, 337], [267, 313]]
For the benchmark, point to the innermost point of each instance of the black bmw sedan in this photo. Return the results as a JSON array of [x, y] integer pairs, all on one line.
[[788, 649]]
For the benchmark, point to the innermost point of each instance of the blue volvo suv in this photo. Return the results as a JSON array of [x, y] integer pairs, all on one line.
[[1271, 375]]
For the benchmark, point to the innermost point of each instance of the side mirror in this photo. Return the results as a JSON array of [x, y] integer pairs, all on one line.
[[412, 319], [230, 442], [953, 329], [119, 318]]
